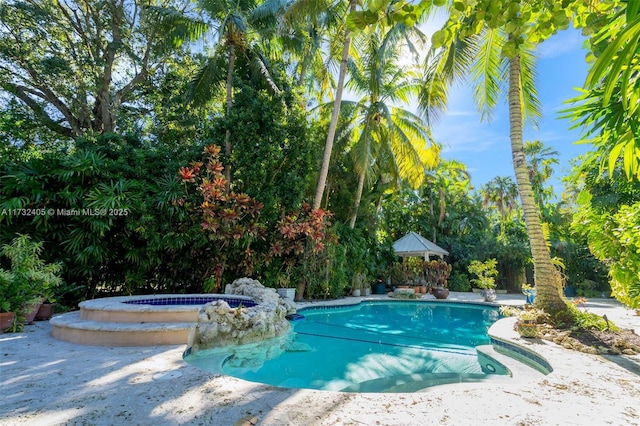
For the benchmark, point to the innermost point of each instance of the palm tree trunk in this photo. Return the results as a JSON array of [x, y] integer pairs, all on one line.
[[546, 277], [328, 147], [227, 135], [303, 72], [352, 222]]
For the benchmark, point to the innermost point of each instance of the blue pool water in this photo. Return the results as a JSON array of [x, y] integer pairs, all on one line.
[[398, 346]]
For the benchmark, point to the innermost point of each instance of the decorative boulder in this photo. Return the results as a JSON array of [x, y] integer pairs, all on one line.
[[220, 325]]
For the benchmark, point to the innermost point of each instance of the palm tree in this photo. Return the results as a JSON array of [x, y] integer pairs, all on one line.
[[608, 108], [501, 192], [238, 24], [492, 57], [237, 21], [451, 177], [385, 137], [540, 159], [546, 277], [308, 28], [333, 124]]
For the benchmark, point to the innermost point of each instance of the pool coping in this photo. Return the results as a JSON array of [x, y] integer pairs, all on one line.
[[582, 388]]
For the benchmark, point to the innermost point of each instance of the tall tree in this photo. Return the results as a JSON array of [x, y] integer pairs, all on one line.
[[540, 159], [386, 137], [238, 24], [501, 192], [450, 177], [78, 65], [500, 40], [333, 124], [310, 34]]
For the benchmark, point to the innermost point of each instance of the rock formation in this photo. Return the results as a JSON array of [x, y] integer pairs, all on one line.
[[221, 325]]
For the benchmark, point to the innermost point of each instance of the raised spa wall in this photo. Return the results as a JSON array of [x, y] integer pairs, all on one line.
[[164, 320]]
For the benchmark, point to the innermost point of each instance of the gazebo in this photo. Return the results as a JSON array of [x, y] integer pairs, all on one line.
[[415, 245]]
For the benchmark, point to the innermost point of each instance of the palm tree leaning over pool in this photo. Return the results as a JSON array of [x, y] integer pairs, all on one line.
[[386, 137], [496, 57], [547, 280]]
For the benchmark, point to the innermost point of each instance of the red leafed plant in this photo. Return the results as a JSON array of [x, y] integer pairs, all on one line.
[[299, 235], [231, 219]]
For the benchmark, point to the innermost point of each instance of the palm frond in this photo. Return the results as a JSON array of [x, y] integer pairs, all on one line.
[[443, 68], [531, 107], [177, 27], [486, 71], [203, 86]]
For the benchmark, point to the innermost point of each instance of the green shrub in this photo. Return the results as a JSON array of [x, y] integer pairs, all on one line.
[[459, 282], [485, 272], [109, 212]]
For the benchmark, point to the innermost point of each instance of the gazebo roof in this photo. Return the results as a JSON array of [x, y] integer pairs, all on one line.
[[414, 244]]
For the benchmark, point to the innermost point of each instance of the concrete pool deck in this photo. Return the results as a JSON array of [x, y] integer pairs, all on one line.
[[44, 381]]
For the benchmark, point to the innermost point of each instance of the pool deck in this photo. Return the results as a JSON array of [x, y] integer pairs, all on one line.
[[44, 381]]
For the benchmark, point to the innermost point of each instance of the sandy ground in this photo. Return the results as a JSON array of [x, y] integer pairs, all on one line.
[[48, 382]]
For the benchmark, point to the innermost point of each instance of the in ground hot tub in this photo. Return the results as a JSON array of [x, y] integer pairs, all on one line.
[[155, 308]]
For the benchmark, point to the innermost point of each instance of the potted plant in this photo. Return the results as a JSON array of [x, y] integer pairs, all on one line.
[[358, 284], [285, 290], [379, 287], [527, 323], [11, 299], [366, 289], [45, 311], [486, 273], [400, 275], [29, 281], [530, 292], [437, 274]]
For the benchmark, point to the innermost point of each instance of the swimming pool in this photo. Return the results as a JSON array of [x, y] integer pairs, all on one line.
[[381, 346]]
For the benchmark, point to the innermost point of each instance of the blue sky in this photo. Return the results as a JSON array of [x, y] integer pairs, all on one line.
[[485, 147]]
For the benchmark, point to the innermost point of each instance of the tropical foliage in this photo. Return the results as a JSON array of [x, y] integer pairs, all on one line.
[[105, 113]]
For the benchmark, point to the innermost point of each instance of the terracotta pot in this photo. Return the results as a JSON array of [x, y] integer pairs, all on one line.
[[6, 320], [45, 312], [31, 315]]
